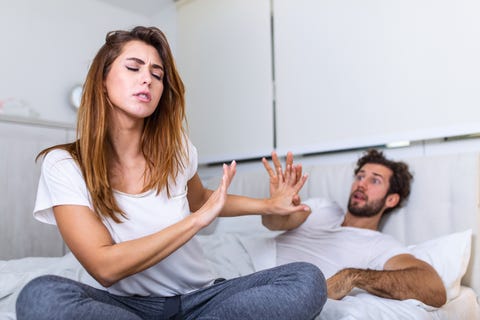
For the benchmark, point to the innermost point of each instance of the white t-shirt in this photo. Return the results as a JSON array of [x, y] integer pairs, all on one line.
[[322, 240], [186, 269]]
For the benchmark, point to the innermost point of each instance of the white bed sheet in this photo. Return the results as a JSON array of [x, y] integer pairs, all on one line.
[[254, 253], [14, 274], [364, 306], [232, 255]]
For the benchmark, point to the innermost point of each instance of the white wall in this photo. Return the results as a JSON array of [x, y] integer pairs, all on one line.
[[361, 73], [166, 20], [47, 47]]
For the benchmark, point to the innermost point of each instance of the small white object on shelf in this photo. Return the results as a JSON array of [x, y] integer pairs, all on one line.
[[17, 107]]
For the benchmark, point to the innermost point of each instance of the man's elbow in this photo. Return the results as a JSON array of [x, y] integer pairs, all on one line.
[[439, 298], [436, 297], [435, 293], [270, 224]]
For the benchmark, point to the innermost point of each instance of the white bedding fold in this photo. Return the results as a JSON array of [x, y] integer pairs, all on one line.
[[14, 274], [358, 305], [234, 255]]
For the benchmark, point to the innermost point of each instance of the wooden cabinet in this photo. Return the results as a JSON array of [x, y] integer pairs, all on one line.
[[20, 234]]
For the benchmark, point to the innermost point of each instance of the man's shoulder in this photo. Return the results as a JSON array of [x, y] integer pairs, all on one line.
[[325, 213], [320, 202]]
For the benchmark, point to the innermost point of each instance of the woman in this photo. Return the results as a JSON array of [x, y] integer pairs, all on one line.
[[128, 201]]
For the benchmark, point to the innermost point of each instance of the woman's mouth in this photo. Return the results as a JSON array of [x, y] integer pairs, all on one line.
[[144, 96]]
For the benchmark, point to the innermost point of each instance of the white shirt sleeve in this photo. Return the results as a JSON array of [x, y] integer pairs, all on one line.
[[61, 183], [326, 214], [192, 160], [383, 249]]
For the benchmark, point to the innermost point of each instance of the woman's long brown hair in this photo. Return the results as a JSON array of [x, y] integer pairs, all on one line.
[[163, 138]]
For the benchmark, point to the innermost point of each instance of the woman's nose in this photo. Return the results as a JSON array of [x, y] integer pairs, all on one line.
[[146, 78]]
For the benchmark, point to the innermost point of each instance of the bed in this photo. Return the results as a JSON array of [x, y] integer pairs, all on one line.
[[440, 223]]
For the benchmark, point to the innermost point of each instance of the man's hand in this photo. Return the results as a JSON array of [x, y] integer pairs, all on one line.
[[288, 212], [277, 176], [285, 195]]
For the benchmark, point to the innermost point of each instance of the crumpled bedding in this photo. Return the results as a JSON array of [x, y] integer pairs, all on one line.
[[232, 255], [14, 274], [257, 252]]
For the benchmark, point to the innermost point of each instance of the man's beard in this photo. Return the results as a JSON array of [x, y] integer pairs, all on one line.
[[370, 209]]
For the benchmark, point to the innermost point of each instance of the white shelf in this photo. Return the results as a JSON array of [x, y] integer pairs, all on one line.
[[35, 122]]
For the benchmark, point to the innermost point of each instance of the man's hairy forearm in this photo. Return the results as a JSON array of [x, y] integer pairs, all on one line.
[[409, 283]]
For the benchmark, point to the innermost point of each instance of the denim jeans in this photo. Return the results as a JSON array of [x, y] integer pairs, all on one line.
[[295, 291]]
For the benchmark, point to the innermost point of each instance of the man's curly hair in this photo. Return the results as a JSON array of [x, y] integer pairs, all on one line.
[[400, 180]]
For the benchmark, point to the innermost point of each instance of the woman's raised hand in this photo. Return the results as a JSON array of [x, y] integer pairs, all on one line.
[[214, 205]]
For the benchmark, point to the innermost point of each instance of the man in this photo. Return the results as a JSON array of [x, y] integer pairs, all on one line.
[[348, 247]]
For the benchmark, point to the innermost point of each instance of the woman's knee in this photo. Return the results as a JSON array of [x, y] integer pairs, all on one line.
[[37, 297], [310, 271], [34, 289], [310, 282]]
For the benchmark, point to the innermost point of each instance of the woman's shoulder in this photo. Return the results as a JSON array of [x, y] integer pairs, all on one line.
[[57, 156], [191, 158], [189, 146]]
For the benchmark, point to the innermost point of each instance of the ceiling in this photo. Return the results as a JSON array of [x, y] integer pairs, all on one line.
[[143, 7]]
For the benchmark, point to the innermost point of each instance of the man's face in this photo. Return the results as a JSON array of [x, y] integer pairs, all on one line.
[[369, 190]]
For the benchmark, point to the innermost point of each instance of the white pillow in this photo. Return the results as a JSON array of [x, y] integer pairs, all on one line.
[[449, 255]]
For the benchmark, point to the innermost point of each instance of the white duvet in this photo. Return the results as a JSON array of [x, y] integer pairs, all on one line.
[[233, 255]]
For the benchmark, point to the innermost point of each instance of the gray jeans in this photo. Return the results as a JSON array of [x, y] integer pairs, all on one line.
[[295, 291]]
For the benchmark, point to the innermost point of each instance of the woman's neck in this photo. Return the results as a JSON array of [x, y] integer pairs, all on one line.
[[126, 162], [125, 138]]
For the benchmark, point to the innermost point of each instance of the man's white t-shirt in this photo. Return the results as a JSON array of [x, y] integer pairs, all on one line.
[[61, 183], [322, 240]]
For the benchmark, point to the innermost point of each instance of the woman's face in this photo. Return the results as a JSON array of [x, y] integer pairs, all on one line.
[[134, 83]]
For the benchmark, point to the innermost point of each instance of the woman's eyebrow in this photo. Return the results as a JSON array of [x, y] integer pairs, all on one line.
[[140, 61]]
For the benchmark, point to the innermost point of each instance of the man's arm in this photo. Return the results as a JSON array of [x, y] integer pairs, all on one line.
[[288, 222], [403, 277]]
